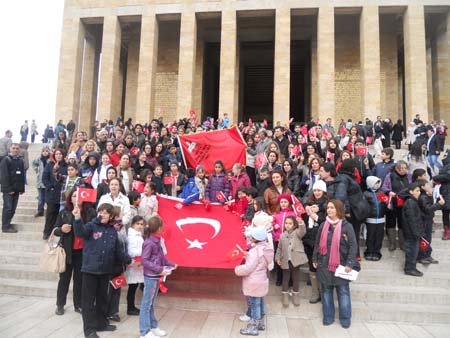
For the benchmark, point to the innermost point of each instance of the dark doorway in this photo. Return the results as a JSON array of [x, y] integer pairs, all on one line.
[[211, 78], [300, 81], [256, 81]]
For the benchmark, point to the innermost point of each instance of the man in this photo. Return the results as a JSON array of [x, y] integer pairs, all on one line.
[[282, 141], [139, 136], [12, 180], [417, 120], [59, 127], [264, 141], [102, 138], [34, 131], [71, 128], [24, 132], [433, 149], [5, 144], [329, 126]]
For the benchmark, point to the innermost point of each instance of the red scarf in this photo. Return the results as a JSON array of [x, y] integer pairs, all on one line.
[[335, 258]]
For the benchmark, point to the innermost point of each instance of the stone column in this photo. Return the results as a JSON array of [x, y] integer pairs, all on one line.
[[130, 109], [228, 93], [148, 57], [443, 72], [186, 66], [109, 93], [69, 73], [325, 64], [370, 62], [282, 66], [415, 63], [87, 104]]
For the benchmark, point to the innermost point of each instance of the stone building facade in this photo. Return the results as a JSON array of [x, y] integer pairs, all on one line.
[[271, 59]]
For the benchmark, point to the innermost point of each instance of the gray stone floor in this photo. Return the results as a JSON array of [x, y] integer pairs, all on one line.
[[34, 317]]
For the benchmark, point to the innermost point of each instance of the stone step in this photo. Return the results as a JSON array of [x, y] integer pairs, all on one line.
[[439, 279], [24, 203], [22, 246], [26, 272], [23, 235]]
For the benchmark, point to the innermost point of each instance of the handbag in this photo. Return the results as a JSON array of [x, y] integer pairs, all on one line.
[[53, 257]]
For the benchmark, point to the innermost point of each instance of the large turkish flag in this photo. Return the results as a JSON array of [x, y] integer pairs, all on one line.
[[206, 148], [198, 237]]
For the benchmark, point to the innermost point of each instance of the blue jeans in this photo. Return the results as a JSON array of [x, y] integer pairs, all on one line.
[[147, 319], [41, 199], [345, 305], [411, 252], [255, 304], [433, 160], [9, 208]]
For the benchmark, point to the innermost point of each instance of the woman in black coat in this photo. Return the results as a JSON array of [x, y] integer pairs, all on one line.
[[53, 178], [386, 133], [73, 247], [397, 134]]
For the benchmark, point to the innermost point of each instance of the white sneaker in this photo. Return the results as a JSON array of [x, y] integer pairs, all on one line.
[[244, 318], [157, 332], [148, 335]]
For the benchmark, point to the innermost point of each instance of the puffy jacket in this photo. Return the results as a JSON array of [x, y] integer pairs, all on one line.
[[412, 218], [259, 259], [238, 182], [153, 258], [216, 184], [102, 248], [53, 181], [278, 218], [377, 209], [12, 174], [190, 192]]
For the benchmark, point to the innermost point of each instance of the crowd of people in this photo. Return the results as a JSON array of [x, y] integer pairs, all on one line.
[[341, 187]]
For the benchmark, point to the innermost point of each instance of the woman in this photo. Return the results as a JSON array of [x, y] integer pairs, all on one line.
[[277, 186], [39, 166], [125, 173], [335, 245], [109, 148], [117, 199], [141, 165], [77, 145], [397, 134], [103, 188], [117, 155], [73, 247], [386, 133], [89, 147], [332, 152], [148, 155], [240, 179], [311, 175], [290, 170], [53, 178], [217, 184], [251, 154], [272, 161], [159, 154], [410, 136], [61, 141]]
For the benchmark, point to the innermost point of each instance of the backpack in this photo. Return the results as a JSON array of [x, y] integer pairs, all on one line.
[[359, 207]]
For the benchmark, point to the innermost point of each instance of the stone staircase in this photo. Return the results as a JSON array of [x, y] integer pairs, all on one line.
[[381, 293]]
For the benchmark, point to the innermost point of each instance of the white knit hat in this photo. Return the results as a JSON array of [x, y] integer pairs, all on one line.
[[371, 181], [320, 185]]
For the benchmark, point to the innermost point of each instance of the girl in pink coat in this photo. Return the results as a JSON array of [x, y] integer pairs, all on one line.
[[285, 210], [255, 282]]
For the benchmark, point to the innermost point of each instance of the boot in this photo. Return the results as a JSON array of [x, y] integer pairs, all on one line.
[[251, 329], [391, 234], [446, 235], [401, 240], [296, 298], [315, 292], [285, 299]]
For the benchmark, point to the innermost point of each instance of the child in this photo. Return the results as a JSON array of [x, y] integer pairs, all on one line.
[[134, 273], [428, 208], [263, 178], [239, 206], [201, 181], [252, 193], [155, 265], [412, 229], [315, 207], [72, 181], [260, 218], [149, 203], [158, 179], [375, 221], [290, 255], [284, 202], [255, 284], [190, 192], [135, 199]]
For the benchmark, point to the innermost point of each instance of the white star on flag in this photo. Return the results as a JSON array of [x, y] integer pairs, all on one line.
[[195, 244]]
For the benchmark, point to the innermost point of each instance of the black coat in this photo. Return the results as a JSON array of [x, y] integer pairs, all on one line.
[[427, 207], [53, 181], [397, 132], [412, 218], [102, 248], [311, 233], [347, 252], [434, 147], [377, 209], [66, 241], [180, 182], [337, 189], [12, 174], [444, 179]]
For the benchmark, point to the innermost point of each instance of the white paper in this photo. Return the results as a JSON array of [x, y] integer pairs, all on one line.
[[340, 272]]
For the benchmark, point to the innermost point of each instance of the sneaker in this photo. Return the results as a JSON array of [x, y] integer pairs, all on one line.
[[260, 326], [244, 318], [157, 332], [148, 335], [250, 330], [59, 310], [114, 318]]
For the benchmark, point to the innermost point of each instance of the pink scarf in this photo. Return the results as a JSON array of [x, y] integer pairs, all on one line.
[[334, 259]]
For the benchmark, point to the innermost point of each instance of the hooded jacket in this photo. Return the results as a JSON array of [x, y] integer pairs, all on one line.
[[412, 218], [259, 259], [190, 192], [377, 209]]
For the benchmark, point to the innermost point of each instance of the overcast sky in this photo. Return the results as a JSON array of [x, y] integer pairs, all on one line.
[[30, 32]]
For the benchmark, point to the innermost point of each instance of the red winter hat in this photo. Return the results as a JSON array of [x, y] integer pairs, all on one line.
[[285, 197]]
